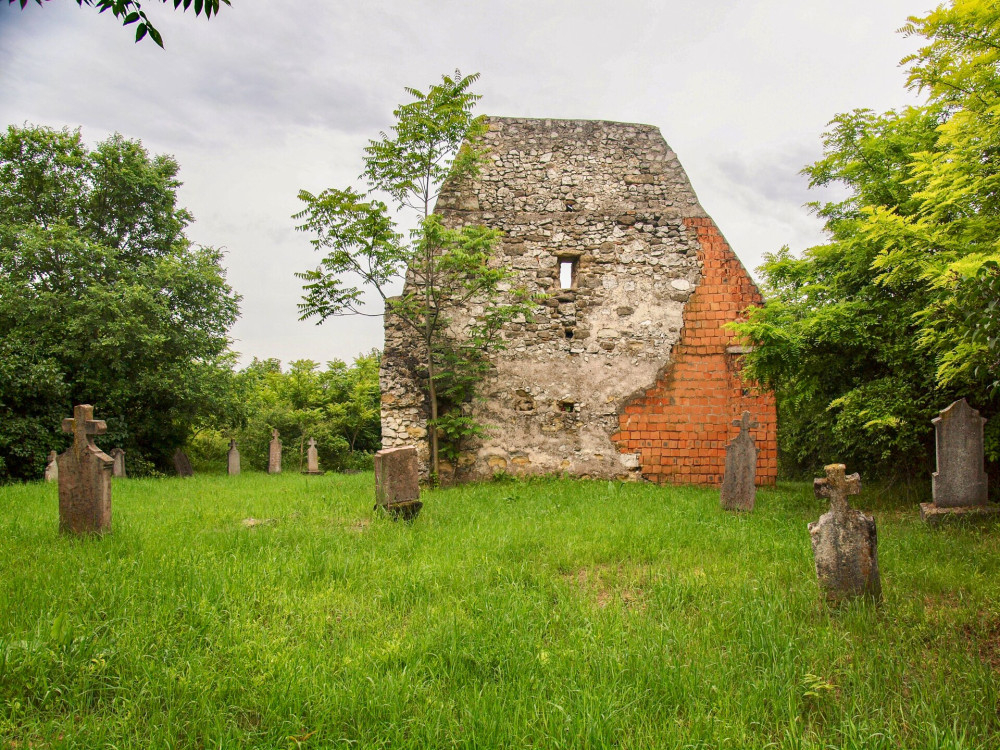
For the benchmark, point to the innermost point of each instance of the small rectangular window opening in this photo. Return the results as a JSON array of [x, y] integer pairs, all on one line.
[[567, 273]]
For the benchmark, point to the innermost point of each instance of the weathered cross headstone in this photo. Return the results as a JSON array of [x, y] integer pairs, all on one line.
[[312, 458], [84, 476], [274, 454], [233, 459], [397, 487], [118, 456], [739, 488], [959, 484], [183, 464], [52, 468], [844, 541]]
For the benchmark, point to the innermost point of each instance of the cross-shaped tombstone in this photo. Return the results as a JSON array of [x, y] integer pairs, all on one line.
[[233, 459], [274, 454], [844, 540], [312, 458], [84, 476], [739, 484]]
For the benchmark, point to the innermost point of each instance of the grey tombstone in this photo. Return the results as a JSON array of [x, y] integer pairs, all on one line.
[[84, 476], [739, 483], [274, 454], [118, 456], [397, 486], [52, 468], [312, 459], [233, 459], [959, 484], [844, 541], [183, 464]]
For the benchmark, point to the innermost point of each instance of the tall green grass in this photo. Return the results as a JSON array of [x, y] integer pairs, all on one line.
[[547, 614]]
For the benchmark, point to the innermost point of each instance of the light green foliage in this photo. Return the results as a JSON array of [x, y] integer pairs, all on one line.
[[867, 337], [547, 614], [102, 300], [445, 269]]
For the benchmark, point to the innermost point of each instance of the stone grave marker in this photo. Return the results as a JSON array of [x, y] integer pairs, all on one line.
[[233, 459], [844, 541], [274, 454], [52, 468], [118, 456], [312, 459], [397, 487], [84, 476], [183, 464], [739, 483], [959, 484]]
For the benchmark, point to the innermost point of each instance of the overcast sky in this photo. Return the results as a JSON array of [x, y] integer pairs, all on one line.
[[274, 96]]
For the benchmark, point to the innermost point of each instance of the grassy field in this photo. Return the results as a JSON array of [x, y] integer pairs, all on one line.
[[544, 614]]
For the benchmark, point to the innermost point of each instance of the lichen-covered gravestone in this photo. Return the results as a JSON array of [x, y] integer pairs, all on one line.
[[233, 459], [118, 456], [84, 476], [739, 484], [959, 484], [52, 468], [397, 486], [312, 458], [183, 464], [274, 454], [844, 541]]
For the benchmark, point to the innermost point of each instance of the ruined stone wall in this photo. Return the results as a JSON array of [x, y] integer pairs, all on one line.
[[580, 386]]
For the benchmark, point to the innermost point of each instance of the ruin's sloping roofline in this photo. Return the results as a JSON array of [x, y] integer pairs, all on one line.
[[572, 121]]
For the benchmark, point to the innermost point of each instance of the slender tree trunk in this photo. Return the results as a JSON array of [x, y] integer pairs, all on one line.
[[432, 427]]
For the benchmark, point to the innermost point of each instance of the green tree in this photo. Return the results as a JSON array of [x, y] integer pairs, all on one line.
[[434, 138], [103, 300]]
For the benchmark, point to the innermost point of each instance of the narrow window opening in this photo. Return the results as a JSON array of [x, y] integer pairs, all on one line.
[[567, 273], [567, 406], [569, 333]]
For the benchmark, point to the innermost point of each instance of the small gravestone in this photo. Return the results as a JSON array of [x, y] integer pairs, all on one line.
[[312, 459], [52, 468], [118, 456], [274, 454], [739, 484], [84, 476], [233, 459], [959, 484], [182, 464], [397, 486], [844, 541]]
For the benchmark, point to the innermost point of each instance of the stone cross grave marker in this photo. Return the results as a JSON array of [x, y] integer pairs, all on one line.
[[233, 459], [274, 454], [118, 456], [739, 483], [52, 468], [397, 486], [183, 464], [312, 458], [959, 484], [844, 541], [84, 476]]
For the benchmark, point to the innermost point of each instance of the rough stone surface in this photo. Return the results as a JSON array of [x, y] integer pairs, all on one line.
[[844, 541], [396, 477], [588, 386], [932, 515], [312, 459], [233, 459], [274, 454], [182, 464], [118, 456], [84, 477], [52, 468], [960, 479], [739, 488]]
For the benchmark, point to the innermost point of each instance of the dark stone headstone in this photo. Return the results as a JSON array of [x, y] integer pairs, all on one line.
[[233, 459], [739, 484], [182, 464], [312, 458], [274, 454], [84, 477], [397, 486], [118, 456]]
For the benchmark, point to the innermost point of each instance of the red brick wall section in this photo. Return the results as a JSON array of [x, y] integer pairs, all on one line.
[[681, 425]]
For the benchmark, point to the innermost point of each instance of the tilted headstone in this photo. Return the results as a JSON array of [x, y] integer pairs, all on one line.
[[52, 468], [844, 541], [397, 486], [183, 464], [959, 484], [233, 459], [739, 483], [84, 476], [312, 458], [274, 454], [118, 456]]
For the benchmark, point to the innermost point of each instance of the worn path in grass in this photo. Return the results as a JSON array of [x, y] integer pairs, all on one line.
[[544, 614]]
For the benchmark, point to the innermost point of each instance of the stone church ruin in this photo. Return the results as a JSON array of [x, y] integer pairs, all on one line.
[[625, 371]]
